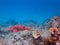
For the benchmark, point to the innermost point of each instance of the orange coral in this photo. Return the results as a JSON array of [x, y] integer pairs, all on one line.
[[54, 29], [52, 38], [51, 30]]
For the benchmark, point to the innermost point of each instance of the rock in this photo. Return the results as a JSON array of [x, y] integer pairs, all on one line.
[[54, 21]]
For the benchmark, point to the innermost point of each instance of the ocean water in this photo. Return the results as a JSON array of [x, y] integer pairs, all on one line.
[[21, 10]]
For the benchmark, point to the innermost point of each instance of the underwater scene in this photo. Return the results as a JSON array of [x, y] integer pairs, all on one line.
[[30, 32], [29, 22]]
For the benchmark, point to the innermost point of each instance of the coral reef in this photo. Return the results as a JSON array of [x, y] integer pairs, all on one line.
[[30, 32]]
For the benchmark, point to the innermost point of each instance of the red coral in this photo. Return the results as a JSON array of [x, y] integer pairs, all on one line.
[[16, 28]]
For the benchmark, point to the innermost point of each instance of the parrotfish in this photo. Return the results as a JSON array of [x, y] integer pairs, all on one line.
[[17, 28]]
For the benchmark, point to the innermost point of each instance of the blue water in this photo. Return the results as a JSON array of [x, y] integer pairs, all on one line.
[[38, 10]]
